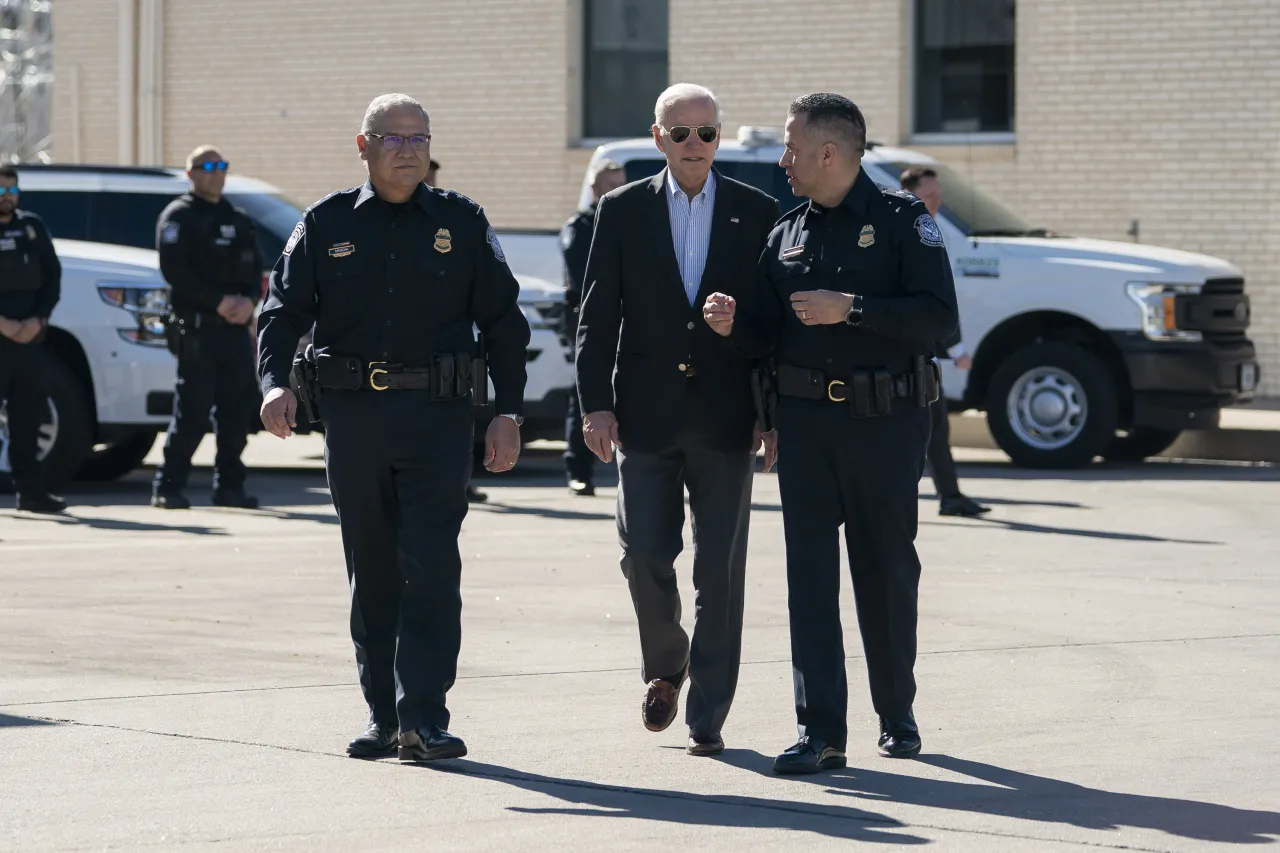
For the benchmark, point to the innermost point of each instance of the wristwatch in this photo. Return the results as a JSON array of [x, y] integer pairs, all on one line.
[[519, 419], [854, 317]]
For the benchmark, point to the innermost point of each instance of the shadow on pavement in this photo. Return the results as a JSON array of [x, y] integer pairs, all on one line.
[[690, 809], [1024, 527], [75, 520], [1011, 794], [8, 721]]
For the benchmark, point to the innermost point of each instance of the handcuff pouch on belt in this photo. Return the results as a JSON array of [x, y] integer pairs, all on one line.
[[764, 395]]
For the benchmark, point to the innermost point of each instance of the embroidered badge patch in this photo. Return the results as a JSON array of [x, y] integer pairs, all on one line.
[[169, 233], [294, 238], [928, 230], [867, 237], [495, 245], [444, 240], [31, 232], [341, 250]]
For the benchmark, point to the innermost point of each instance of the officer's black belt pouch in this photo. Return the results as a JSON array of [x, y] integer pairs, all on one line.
[[868, 393]]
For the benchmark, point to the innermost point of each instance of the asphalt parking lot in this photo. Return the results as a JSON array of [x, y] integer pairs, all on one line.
[[1099, 668]]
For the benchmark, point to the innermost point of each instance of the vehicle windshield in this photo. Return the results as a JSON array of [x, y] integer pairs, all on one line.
[[275, 217], [969, 209]]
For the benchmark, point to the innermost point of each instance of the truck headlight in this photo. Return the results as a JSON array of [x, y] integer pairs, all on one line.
[[148, 306], [1158, 303]]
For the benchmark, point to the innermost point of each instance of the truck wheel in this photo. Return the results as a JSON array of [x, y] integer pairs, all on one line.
[[116, 460], [1052, 405], [66, 436], [1139, 443]]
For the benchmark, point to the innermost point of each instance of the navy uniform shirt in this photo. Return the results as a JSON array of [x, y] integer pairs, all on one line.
[[395, 283], [207, 251], [575, 243], [30, 274], [880, 244]]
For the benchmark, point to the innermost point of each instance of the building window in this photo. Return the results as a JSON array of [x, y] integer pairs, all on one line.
[[625, 68], [964, 66]]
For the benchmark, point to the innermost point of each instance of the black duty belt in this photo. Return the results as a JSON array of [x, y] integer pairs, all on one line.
[[449, 377], [868, 393]]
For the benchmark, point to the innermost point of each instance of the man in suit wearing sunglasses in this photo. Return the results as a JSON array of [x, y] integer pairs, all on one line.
[[210, 258], [676, 402]]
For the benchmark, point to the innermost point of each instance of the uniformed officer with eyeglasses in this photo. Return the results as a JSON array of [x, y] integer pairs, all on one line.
[[393, 274]]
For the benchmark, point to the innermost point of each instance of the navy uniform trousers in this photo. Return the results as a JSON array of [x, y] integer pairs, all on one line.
[[217, 376], [25, 390], [863, 473], [398, 464]]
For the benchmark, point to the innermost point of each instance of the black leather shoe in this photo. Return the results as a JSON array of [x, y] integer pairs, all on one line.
[[581, 488], [961, 505], [475, 496], [430, 743], [234, 498], [899, 737], [704, 745], [377, 742], [42, 503], [809, 755], [170, 500]]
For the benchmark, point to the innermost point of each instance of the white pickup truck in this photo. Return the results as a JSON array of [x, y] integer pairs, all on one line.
[[1081, 348], [111, 378]]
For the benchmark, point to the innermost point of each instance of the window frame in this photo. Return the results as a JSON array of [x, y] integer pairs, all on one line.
[[916, 137], [583, 17]]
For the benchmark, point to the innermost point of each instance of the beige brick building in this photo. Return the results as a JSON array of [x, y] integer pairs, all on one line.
[[1161, 111]]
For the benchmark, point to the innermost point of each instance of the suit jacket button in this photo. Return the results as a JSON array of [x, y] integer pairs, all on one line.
[[683, 367], [690, 326]]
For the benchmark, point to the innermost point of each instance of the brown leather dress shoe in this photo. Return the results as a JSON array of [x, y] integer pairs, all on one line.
[[704, 745], [662, 702]]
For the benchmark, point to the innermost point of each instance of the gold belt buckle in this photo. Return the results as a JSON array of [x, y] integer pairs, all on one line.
[[374, 370], [831, 387]]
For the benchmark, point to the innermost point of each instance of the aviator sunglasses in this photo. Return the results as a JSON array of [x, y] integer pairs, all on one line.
[[680, 133], [417, 142]]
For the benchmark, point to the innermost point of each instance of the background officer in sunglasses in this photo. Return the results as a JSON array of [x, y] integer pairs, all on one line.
[[854, 290], [210, 259], [30, 278], [393, 275]]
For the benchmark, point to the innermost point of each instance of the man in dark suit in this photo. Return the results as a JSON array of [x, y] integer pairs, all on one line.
[[679, 407]]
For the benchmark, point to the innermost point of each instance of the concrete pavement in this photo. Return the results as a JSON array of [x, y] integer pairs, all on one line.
[[1099, 668]]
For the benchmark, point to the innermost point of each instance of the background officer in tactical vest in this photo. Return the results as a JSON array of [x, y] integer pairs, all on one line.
[[854, 289], [210, 258], [394, 274], [575, 244], [30, 282]]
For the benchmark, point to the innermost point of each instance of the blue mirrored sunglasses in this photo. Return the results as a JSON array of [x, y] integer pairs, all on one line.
[[214, 165], [8, 190]]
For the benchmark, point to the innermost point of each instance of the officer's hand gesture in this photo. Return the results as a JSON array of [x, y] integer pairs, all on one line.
[[10, 328], [821, 307], [28, 330], [501, 445], [279, 412], [770, 441], [600, 431], [718, 311]]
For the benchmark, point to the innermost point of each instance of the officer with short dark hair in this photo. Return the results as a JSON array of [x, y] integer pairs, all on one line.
[[393, 275], [575, 245], [30, 284], [210, 258], [854, 289]]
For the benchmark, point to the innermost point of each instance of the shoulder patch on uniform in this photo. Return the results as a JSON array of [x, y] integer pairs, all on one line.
[[928, 230], [566, 237], [169, 233], [298, 231], [31, 232], [492, 238]]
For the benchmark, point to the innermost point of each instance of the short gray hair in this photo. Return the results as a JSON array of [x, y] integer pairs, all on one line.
[[600, 167], [681, 92], [384, 104]]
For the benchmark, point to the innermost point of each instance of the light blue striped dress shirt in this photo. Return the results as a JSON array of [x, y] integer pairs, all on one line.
[[691, 230]]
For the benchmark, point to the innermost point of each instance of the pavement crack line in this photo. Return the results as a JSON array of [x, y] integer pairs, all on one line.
[[797, 808], [610, 670]]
